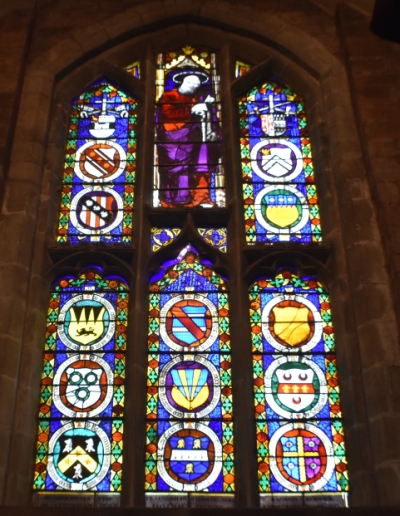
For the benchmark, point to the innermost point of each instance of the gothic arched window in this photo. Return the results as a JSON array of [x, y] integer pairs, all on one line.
[[187, 233], [300, 441], [187, 156]]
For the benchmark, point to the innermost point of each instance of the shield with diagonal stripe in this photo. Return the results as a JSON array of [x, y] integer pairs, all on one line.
[[100, 161], [97, 210], [189, 322]]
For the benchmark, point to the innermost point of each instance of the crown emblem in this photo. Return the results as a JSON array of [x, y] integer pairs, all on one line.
[[85, 326], [188, 50]]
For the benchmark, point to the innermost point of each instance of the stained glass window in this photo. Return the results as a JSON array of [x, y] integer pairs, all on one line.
[[99, 175], [300, 441], [134, 69], [216, 237], [241, 68], [189, 403], [188, 165], [280, 197], [161, 237], [80, 429]]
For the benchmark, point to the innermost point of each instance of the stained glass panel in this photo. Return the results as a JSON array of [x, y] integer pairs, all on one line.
[[241, 68], [280, 197], [300, 441], [216, 237], [189, 403], [160, 237], [188, 165], [80, 429], [99, 175], [134, 69]]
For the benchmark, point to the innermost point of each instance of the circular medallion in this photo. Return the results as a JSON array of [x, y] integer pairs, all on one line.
[[87, 321], [100, 161], [189, 386], [83, 386], [281, 210], [276, 160], [189, 321], [96, 211], [301, 457], [79, 456], [295, 387], [189, 458], [291, 322]]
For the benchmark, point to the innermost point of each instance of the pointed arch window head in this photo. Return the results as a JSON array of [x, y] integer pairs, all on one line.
[[189, 404], [80, 428], [280, 197], [300, 440], [99, 176], [188, 167]]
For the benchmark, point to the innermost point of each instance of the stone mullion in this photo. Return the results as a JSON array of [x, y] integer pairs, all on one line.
[[135, 428], [246, 483]]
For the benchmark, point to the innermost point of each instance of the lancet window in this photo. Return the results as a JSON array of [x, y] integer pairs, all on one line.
[[280, 196], [300, 439], [81, 417], [99, 175], [187, 154], [189, 404]]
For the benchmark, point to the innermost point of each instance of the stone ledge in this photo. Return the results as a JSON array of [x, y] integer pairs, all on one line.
[[93, 511]]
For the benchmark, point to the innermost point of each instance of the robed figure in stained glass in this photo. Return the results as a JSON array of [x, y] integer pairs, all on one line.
[[188, 136]]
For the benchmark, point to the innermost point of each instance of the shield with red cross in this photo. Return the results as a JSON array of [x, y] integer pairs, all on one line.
[[301, 457]]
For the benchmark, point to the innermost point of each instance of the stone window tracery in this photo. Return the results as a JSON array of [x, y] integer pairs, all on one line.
[[188, 212]]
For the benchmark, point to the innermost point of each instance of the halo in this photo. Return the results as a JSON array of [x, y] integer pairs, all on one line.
[[179, 76]]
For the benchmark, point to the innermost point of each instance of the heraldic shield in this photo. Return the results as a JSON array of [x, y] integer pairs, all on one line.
[[191, 386], [86, 322], [291, 323], [189, 456], [78, 458], [189, 323], [83, 386], [97, 209], [295, 387], [301, 457]]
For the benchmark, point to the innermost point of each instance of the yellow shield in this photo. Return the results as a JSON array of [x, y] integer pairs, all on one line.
[[87, 328], [190, 390], [291, 324], [282, 216]]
